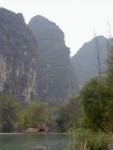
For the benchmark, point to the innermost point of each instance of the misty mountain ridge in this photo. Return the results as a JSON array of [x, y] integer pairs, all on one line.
[[85, 61]]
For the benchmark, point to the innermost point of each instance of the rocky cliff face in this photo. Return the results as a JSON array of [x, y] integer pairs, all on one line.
[[27, 72], [86, 61], [56, 78], [18, 57]]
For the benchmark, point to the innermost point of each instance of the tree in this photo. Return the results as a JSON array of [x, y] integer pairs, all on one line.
[[97, 104], [34, 115], [98, 57], [72, 109], [61, 117], [9, 109], [109, 71], [67, 114]]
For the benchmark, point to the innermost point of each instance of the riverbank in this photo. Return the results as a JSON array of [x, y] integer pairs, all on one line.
[[29, 133]]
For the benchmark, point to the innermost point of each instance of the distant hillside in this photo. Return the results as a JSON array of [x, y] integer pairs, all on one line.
[[18, 57], [56, 78], [85, 61]]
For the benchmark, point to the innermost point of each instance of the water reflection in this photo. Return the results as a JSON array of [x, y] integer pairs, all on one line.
[[24, 141]]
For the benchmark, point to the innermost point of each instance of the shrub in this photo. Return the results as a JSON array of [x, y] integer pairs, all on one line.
[[85, 139]]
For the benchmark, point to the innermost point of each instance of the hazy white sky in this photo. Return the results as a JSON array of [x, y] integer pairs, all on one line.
[[77, 18]]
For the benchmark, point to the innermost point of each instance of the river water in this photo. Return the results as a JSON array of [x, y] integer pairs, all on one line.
[[25, 141]]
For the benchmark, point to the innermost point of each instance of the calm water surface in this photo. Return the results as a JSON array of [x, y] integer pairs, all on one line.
[[25, 141]]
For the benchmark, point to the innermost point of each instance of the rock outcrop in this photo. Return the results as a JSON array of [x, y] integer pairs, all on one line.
[[56, 78], [18, 57]]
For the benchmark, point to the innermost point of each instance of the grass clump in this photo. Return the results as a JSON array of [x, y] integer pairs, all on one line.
[[86, 139]]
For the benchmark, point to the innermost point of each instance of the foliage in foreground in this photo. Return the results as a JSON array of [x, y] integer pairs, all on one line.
[[97, 103], [85, 139]]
